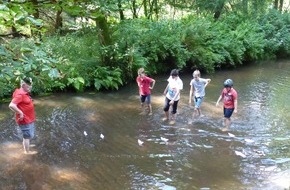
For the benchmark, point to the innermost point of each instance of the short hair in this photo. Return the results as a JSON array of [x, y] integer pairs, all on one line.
[[196, 73], [27, 80], [140, 71], [174, 72]]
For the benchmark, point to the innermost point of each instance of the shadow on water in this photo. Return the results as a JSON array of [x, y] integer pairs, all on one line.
[[90, 141]]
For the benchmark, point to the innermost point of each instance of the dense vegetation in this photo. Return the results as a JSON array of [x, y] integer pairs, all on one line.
[[79, 45]]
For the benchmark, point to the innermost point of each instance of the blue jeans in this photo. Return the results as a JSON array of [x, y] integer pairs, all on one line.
[[27, 130], [198, 101]]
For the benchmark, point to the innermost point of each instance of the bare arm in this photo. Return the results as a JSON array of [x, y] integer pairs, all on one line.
[[207, 82], [153, 84], [166, 89], [236, 105], [190, 94], [14, 108], [176, 95], [219, 99]]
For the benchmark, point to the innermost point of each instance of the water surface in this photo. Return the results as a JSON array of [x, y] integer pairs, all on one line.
[[198, 155]]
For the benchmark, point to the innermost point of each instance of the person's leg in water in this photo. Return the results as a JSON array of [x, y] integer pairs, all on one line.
[[197, 110], [28, 133], [173, 113], [26, 143], [227, 122], [142, 101], [165, 109], [149, 106], [227, 118]]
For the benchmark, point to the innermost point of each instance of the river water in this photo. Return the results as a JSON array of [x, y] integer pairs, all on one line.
[[71, 155]]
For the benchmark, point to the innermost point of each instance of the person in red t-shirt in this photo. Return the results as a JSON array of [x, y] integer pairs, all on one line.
[[23, 107], [230, 98], [144, 84]]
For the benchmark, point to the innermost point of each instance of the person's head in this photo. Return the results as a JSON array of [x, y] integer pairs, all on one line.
[[196, 74], [228, 83], [26, 84], [174, 73], [141, 71]]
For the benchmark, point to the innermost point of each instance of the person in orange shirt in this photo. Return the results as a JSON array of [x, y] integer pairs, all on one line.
[[23, 107], [230, 99], [145, 84]]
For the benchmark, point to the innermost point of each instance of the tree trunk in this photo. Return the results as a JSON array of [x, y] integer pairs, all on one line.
[[156, 9], [58, 20], [134, 9], [103, 31], [151, 9], [104, 36], [276, 2], [145, 8], [281, 5], [218, 9], [122, 16]]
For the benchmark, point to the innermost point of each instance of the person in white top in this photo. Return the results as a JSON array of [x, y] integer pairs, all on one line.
[[172, 95], [197, 88]]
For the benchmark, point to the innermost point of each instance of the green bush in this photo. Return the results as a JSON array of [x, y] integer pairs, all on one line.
[[157, 46], [77, 61], [276, 27]]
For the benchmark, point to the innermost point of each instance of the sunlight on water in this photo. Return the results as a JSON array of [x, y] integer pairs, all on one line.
[[12, 151], [70, 175]]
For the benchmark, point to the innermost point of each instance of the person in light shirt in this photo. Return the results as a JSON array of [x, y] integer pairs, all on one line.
[[172, 96], [197, 89]]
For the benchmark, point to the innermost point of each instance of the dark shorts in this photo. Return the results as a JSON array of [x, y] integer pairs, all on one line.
[[145, 98], [167, 105], [27, 130], [228, 112]]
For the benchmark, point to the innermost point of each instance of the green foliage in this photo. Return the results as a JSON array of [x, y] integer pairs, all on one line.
[[157, 46], [276, 27], [107, 78], [24, 58], [252, 38], [77, 82], [228, 42], [20, 17], [82, 66], [106, 59], [199, 39]]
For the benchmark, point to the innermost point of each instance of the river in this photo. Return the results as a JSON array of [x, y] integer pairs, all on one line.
[[72, 155]]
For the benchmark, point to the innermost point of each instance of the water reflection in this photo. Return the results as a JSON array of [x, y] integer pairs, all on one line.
[[193, 154]]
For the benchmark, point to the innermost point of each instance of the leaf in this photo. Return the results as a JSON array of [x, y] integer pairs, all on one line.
[[53, 73], [36, 22], [97, 84], [17, 73], [81, 80]]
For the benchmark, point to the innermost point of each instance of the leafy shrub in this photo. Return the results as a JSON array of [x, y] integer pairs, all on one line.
[[107, 78], [276, 27], [157, 46]]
